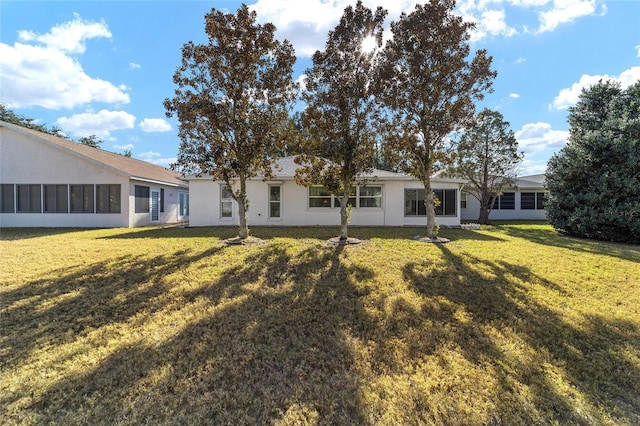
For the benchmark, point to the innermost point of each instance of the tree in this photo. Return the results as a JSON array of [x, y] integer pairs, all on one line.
[[8, 116], [92, 140], [487, 156], [594, 181], [232, 101], [127, 153], [429, 85], [341, 112]]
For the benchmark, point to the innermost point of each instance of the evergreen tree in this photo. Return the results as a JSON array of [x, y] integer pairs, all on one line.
[[487, 156], [594, 181]]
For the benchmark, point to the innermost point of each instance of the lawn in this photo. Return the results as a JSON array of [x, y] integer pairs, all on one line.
[[512, 324]]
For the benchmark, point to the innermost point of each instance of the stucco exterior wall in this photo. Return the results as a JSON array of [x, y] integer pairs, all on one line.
[[24, 160], [206, 209]]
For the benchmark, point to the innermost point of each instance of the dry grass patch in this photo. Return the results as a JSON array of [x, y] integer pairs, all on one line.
[[512, 324]]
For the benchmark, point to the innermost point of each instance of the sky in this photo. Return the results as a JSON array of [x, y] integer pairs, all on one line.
[[104, 67]]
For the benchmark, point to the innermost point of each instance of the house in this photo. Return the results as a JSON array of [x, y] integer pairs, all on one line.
[[387, 199], [48, 181], [523, 201]]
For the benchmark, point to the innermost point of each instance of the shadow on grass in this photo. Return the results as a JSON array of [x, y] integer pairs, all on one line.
[[594, 355], [271, 348], [550, 237], [302, 232], [12, 234]]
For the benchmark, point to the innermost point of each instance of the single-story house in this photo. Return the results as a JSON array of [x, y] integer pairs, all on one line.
[[49, 181], [523, 201], [387, 199]]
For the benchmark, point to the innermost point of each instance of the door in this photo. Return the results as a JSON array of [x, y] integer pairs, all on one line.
[[183, 206], [155, 206]]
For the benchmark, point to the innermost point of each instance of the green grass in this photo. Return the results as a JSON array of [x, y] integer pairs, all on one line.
[[513, 324]]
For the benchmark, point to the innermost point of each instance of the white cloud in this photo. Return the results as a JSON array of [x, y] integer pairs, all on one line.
[[565, 11], [100, 124], [156, 158], [536, 137], [569, 96], [307, 23], [123, 147], [69, 37], [48, 75], [638, 49], [514, 95], [155, 125], [134, 66]]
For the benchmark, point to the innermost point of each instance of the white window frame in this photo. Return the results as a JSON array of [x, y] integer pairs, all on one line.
[[278, 202], [355, 198], [225, 198]]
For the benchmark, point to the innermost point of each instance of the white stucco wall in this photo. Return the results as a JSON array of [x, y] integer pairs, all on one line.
[[206, 210], [27, 161]]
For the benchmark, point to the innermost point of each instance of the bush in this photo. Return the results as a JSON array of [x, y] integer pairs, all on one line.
[[594, 181]]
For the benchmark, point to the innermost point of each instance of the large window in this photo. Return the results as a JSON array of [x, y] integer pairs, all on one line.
[[532, 200], [414, 202], [81, 197], [506, 201], [29, 198], [226, 202], [447, 204], [7, 198], [319, 197], [463, 200], [275, 201], [142, 199], [108, 198], [56, 199], [360, 197]]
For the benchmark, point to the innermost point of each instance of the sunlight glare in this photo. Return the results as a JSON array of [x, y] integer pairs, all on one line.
[[369, 44]]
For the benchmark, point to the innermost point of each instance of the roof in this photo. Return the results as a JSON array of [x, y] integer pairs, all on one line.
[[531, 181], [130, 167], [286, 169]]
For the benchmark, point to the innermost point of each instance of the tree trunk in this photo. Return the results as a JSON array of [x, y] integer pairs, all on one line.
[[483, 219], [432, 227], [344, 216], [242, 210]]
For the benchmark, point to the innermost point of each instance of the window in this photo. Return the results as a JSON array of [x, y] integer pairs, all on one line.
[[447, 205], [161, 200], [183, 204], [414, 202], [142, 199], [463, 200], [108, 199], [274, 201], [7, 198], [81, 197], [226, 202], [532, 200], [29, 198], [319, 197], [506, 201], [56, 199], [370, 196], [359, 197]]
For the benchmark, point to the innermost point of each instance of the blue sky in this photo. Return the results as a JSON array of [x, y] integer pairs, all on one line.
[[105, 67]]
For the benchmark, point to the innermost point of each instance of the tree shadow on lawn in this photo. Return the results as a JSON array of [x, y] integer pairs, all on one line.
[[595, 357], [272, 347], [551, 237], [322, 233], [52, 311]]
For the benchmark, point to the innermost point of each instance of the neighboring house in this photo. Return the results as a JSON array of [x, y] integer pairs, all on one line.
[[524, 201], [387, 199], [48, 181]]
